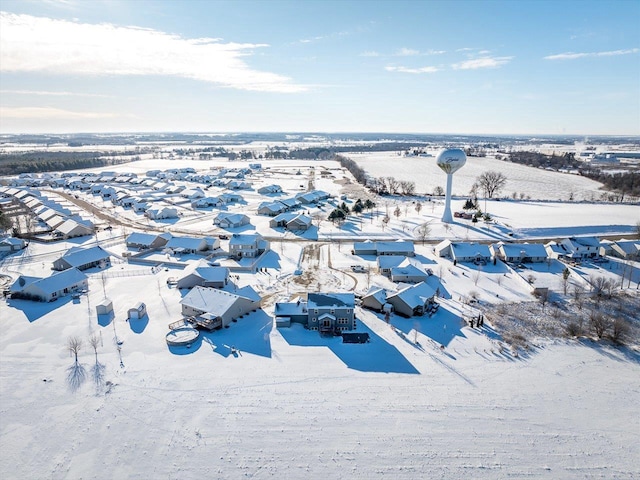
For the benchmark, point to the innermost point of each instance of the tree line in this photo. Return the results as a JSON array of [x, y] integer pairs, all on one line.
[[35, 162]]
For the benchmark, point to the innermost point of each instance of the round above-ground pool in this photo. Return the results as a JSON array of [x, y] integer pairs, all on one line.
[[182, 336]]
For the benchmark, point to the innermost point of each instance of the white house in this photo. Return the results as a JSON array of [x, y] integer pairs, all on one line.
[[204, 275], [83, 258], [231, 220], [11, 244], [161, 213], [580, 248], [187, 244], [521, 252], [220, 306], [71, 228], [267, 189], [247, 245], [463, 251], [626, 249], [49, 288], [145, 241], [414, 300]]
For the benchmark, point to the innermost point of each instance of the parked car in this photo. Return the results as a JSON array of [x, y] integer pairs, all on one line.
[[358, 268], [223, 236]]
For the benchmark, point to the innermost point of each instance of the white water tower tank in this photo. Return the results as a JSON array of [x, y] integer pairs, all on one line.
[[450, 160]]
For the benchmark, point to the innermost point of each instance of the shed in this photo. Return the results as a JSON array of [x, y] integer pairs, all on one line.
[[139, 311], [104, 307]]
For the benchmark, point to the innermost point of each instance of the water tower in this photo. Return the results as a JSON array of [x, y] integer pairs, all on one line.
[[450, 160]]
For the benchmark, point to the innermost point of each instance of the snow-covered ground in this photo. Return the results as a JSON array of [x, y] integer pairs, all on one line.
[[535, 183], [289, 403]]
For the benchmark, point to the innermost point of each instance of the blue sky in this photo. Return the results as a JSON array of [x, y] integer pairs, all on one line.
[[512, 67]]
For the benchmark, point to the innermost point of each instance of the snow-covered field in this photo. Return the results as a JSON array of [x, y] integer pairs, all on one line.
[[534, 183], [291, 404]]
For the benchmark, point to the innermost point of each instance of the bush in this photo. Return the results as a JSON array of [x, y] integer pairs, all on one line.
[[573, 329]]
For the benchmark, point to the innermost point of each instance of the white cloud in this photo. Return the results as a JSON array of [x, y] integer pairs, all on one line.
[[482, 62], [45, 113], [39, 44], [407, 52], [54, 94], [573, 56], [410, 52], [412, 70]]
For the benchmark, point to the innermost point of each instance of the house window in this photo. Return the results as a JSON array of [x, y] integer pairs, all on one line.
[[348, 310], [315, 310], [327, 323], [333, 311]]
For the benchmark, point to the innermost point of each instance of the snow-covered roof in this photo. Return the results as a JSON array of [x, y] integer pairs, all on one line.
[[380, 294], [211, 300], [414, 295], [628, 246], [315, 300], [191, 243], [76, 257], [58, 281], [408, 270], [212, 274], [467, 250], [245, 239], [524, 250], [389, 261]]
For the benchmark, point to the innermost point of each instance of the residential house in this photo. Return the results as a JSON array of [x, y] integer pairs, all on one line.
[[291, 221], [521, 252], [83, 258], [231, 220], [49, 288], [220, 306], [387, 262], [626, 249], [409, 272], [414, 300], [464, 251], [203, 275], [247, 245], [11, 244], [74, 228], [186, 245], [271, 208], [400, 248], [375, 299], [581, 248], [161, 213], [270, 189], [325, 312], [147, 241]]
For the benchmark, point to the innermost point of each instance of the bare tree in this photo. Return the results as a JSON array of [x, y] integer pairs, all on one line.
[[397, 211], [418, 207], [94, 341], [97, 370], [476, 276], [385, 221], [577, 293], [598, 323], [76, 373], [74, 344], [620, 330], [407, 187], [438, 191], [424, 231], [543, 296], [491, 182]]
